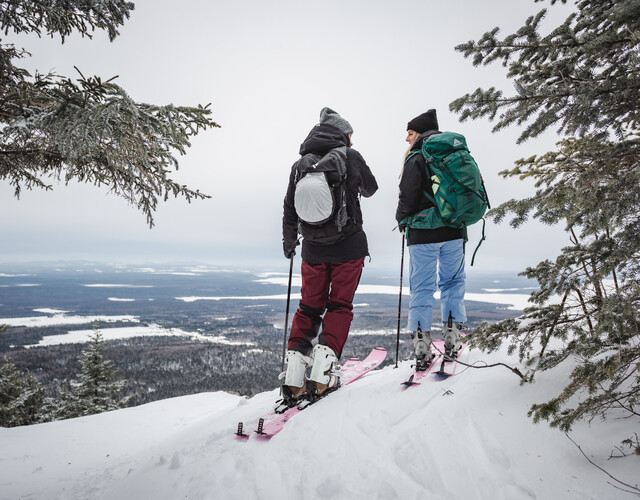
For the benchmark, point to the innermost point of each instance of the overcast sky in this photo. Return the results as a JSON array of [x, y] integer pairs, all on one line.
[[267, 68]]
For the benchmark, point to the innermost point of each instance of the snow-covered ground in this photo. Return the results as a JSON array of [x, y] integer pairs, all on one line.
[[514, 301], [467, 437], [56, 318], [59, 317], [127, 332], [115, 285]]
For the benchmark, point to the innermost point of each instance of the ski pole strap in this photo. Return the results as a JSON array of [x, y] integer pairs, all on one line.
[[480, 243]]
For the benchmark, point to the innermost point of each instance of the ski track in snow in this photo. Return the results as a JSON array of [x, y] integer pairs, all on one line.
[[467, 437]]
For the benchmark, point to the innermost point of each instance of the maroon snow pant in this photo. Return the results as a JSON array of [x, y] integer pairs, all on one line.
[[326, 287]]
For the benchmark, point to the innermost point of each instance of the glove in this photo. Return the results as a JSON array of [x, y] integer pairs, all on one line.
[[402, 228], [289, 248]]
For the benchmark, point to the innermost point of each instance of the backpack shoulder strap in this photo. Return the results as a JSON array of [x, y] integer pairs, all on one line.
[[428, 161], [296, 177], [411, 155]]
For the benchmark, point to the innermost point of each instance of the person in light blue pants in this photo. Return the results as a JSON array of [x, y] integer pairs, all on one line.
[[433, 266], [436, 255]]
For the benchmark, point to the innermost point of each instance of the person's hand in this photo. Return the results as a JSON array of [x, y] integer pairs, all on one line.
[[402, 228], [289, 248]]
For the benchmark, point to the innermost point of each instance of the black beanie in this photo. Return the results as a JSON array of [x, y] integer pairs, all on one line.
[[426, 121]]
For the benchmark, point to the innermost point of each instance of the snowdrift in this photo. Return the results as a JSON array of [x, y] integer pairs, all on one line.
[[467, 437]]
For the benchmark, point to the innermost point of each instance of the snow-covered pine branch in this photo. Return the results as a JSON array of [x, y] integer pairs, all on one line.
[[87, 129], [584, 77]]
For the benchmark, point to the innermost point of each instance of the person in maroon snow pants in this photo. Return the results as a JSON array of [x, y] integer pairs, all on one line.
[[330, 271]]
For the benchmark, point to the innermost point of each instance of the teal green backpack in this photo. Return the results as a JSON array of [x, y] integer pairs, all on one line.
[[459, 195]]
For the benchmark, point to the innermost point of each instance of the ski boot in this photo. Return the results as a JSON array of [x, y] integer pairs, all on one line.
[[452, 339], [422, 349], [294, 387], [323, 378]]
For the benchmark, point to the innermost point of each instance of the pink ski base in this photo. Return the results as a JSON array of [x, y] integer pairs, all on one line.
[[352, 370]]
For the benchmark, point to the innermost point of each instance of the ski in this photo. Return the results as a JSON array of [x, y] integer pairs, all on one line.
[[417, 375], [351, 371], [451, 357], [448, 367], [240, 433], [350, 363]]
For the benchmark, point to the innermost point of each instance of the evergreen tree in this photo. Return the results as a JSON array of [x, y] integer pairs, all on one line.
[[584, 79], [94, 391], [89, 130], [21, 397]]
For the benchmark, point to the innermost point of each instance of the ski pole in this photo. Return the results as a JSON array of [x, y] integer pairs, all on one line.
[[286, 317], [400, 300]]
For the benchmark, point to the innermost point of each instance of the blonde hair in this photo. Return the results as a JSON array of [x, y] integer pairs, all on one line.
[[412, 144], [407, 153]]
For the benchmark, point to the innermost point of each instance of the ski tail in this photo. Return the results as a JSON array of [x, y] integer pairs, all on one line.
[[240, 435], [373, 360]]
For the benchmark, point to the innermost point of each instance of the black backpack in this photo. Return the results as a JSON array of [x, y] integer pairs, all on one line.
[[320, 197]]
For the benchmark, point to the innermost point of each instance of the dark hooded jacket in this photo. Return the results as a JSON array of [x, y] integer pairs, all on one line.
[[360, 181], [414, 181]]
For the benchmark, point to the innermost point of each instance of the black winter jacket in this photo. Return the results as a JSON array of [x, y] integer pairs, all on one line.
[[360, 181], [414, 181]]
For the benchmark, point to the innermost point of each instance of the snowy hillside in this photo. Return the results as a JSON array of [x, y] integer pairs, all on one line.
[[467, 437]]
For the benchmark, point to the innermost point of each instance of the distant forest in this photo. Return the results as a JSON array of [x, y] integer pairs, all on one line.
[[166, 366]]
